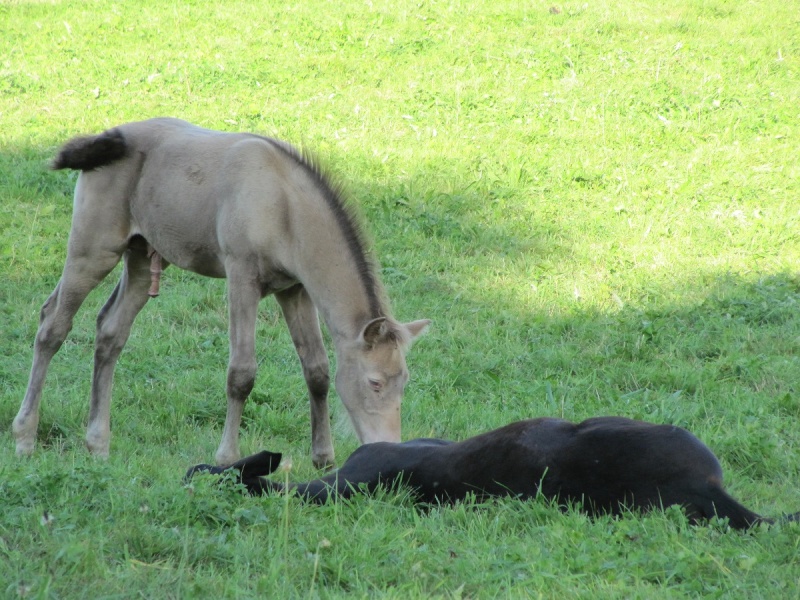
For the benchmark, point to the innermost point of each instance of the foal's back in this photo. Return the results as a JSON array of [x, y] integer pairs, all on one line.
[[205, 197]]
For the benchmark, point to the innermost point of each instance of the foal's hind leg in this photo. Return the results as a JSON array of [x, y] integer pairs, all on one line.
[[83, 270], [113, 328], [303, 322]]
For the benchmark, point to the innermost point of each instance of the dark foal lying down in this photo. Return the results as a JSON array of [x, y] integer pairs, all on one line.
[[605, 464]]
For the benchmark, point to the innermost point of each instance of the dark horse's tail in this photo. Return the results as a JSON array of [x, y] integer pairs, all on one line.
[[91, 152], [720, 504]]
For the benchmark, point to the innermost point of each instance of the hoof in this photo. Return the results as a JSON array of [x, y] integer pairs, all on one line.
[[223, 459], [98, 449], [324, 463], [25, 448], [24, 430]]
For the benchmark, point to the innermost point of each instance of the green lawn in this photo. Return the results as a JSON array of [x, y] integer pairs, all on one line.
[[597, 203]]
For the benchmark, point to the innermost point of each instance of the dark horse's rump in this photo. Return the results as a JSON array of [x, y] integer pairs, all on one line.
[[605, 465]]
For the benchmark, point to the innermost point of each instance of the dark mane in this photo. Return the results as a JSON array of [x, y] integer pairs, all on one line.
[[349, 224]]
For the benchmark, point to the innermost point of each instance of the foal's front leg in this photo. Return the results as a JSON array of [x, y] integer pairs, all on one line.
[[303, 322], [243, 298]]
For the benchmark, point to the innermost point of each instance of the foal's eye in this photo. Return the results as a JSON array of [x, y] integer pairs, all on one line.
[[375, 385]]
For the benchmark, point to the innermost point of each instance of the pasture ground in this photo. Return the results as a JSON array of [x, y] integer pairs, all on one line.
[[596, 203]]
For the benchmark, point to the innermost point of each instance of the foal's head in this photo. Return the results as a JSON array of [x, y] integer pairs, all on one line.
[[370, 379]]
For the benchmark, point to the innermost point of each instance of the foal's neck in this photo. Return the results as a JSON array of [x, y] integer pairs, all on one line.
[[341, 280], [329, 253]]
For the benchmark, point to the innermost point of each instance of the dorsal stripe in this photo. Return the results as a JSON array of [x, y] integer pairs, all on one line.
[[348, 224]]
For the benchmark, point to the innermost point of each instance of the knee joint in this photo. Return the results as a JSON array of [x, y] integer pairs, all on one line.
[[318, 380], [241, 380], [108, 341], [52, 336]]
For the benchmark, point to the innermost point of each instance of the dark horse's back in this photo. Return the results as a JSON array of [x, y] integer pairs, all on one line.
[[606, 465], [612, 464]]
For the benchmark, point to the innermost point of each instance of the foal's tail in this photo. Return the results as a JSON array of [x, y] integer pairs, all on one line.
[[91, 152]]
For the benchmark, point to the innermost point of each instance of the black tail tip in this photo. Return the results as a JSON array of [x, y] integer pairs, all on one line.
[[793, 518], [91, 152]]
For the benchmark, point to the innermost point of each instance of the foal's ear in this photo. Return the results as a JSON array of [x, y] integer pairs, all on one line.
[[417, 328], [380, 329], [373, 331]]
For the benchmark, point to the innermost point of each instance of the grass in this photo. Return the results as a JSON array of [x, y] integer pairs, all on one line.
[[595, 203]]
